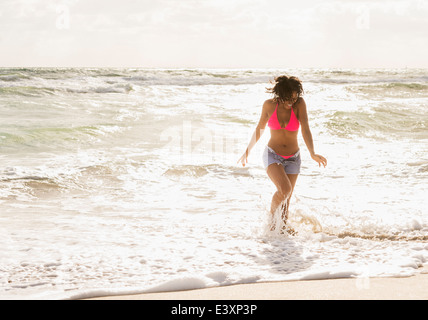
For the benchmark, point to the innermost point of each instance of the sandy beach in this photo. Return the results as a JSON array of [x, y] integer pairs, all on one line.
[[408, 288]]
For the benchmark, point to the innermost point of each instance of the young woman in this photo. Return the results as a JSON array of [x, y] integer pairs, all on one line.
[[281, 158]]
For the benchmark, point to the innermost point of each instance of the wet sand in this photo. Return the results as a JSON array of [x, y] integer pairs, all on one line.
[[407, 288]]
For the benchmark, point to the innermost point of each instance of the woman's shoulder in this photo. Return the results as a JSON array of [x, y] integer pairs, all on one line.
[[269, 104], [299, 107], [300, 102]]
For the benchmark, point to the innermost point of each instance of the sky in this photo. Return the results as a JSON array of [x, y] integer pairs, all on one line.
[[214, 33]]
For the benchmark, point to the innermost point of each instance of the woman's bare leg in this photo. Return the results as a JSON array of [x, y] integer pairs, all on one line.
[[293, 179], [277, 200], [284, 188]]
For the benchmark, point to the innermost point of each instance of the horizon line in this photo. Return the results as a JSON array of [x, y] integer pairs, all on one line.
[[209, 68]]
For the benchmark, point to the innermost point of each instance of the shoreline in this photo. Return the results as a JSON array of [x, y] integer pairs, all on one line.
[[389, 288]]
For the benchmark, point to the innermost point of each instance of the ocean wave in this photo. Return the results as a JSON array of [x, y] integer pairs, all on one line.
[[56, 137], [380, 123], [197, 171], [197, 81], [119, 88], [178, 77], [380, 237], [13, 77], [405, 85], [186, 170], [398, 89], [32, 91], [27, 91], [35, 178], [411, 79], [413, 231], [23, 187], [309, 224]]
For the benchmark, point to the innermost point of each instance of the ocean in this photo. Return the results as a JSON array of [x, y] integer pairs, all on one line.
[[117, 181]]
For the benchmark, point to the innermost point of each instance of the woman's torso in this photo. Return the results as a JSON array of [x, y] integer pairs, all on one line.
[[284, 141]]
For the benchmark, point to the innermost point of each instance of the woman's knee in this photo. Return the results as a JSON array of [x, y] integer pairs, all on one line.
[[278, 176], [284, 191]]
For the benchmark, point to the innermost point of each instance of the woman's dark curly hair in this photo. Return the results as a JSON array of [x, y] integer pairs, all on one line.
[[284, 87]]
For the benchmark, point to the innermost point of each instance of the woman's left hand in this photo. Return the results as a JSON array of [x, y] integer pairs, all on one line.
[[244, 158], [320, 159]]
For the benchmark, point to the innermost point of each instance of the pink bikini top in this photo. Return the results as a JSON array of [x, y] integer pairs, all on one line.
[[293, 124]]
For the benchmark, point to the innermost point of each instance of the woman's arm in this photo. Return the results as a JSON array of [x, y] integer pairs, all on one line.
[[258, 132], [307, 135]]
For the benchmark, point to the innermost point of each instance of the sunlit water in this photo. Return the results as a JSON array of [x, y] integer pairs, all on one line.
[[125, 180]]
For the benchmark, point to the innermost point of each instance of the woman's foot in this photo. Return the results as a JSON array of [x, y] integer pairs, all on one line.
[[289, 230]]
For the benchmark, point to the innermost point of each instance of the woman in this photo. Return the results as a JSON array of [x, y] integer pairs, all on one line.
[[281, 158]]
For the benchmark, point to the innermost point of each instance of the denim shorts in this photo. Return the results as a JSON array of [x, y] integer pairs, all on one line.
[[291, 165]]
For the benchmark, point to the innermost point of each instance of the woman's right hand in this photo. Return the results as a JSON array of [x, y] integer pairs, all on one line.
[[320, 159], [244, 158]]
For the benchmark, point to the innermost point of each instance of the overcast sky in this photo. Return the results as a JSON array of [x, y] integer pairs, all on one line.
[[214, 33]]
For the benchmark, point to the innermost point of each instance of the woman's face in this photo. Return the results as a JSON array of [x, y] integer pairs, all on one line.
[[289, 103]]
